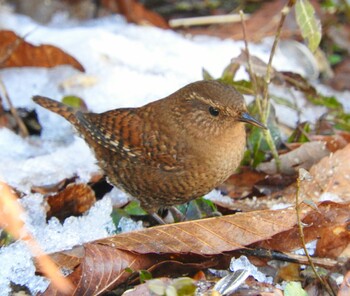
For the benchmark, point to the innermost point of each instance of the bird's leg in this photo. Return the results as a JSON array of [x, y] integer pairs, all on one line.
[[158, 219], [177, 214]]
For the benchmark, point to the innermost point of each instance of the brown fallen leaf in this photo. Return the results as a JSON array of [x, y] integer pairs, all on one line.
[[327, 214], [52, 188], [207, 236], [303, 157], [69, 260], [333, 240], [241, 184], [251, 190], [16, 52], [289, 272], [334, 142], [259, 67], [330, 180], [102, 265], [101, 269], [337, 140], [295, 80], [136, 13], [74, 200]]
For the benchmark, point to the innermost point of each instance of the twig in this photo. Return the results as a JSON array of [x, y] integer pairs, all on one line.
[[287, 257], [300, 178], [23, 131], [249, 61], [205, 20], [285, 11], [266, 103], [22, 128]]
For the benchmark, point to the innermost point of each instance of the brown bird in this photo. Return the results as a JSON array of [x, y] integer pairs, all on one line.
[[169, 151]]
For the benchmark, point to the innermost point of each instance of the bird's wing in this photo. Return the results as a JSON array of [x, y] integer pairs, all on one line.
[[117, 130], [122, 131]]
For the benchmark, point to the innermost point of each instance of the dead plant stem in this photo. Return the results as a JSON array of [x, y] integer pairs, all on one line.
[[302, 238], [266, 102], [250, 68], [22, 128], [284, 14]]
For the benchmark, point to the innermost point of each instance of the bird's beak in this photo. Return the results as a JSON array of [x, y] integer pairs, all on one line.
[[245, 117]]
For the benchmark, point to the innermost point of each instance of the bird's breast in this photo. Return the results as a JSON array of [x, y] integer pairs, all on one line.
[[218, 158]]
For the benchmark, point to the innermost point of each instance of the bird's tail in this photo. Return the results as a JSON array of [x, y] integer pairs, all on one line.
[[64, 110]]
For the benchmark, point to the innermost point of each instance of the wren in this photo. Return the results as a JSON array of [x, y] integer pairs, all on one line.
[[169, 151]]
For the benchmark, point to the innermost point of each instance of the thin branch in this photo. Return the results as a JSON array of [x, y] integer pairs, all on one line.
[[249, 61], [285, 11], [204, 20], [266, 103], [287, 257], [300, 178], [23, 131], [22, 128]]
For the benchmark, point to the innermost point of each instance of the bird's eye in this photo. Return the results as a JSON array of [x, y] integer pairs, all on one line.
[[213, 111]]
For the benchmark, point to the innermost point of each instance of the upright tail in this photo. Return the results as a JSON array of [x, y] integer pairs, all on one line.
[[64, 110]]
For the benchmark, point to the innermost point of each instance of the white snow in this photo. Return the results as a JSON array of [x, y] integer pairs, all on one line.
[[16, 262], [54, 236], [126, 65], [330, 196], [244, 263], [17, 267]]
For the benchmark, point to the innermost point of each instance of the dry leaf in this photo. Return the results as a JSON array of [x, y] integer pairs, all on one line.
[[259, 67], [101, 269], [16, 52], [52, 188], [103, 264], [330, 180], [136, 13], [289, 272], [328, 214], [334, 142], [303, 157], [68, 260], [240, 184], [296, 81], [206, 236], [74, 200], [333, 240]]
